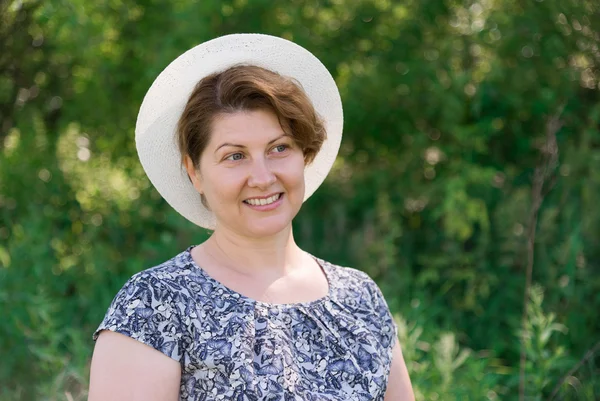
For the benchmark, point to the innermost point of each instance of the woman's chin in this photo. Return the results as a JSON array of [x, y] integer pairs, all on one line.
[[267, 227], [259, 225]]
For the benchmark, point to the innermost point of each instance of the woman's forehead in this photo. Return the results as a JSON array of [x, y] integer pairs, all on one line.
[[245, 128]]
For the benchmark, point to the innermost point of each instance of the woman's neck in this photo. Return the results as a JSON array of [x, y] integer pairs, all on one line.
[[269, 257]]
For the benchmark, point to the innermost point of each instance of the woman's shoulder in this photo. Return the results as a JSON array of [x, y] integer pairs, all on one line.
[[158, 287], [177, 266], [349, 281], [360, 294], [169, 279], [148, 307], [177, 284], [345, 273]]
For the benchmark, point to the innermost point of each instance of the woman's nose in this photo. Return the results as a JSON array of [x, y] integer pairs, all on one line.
[[261, 175]]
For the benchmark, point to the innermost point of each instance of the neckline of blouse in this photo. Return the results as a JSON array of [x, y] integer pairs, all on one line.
[[325, 268]]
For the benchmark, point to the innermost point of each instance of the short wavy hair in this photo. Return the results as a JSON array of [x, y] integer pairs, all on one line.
[[246, 88]]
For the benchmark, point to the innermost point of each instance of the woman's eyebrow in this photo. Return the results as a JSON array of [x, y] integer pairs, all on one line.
[[229, 144], [242, 146], [278, 138]]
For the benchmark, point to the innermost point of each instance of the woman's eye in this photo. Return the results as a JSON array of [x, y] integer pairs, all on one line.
[[280, 148], [235, 157]]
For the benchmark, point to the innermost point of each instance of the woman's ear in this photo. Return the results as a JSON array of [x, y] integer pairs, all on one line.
[[193, 173]]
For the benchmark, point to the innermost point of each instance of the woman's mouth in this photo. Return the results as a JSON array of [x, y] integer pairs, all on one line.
[[265, 203]]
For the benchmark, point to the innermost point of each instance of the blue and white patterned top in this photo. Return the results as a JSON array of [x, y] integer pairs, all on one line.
[[231, 347]]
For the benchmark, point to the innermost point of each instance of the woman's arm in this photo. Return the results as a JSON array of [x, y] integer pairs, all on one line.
[[399, 387], [125, 369]]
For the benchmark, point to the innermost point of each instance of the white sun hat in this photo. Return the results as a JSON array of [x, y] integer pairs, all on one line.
[[156, 127]]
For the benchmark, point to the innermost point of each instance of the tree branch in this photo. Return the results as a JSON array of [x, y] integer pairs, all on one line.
[[544, 171], [590, 353], [15, 26]]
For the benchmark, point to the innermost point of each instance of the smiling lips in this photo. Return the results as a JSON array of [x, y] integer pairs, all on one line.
[[263, 201]]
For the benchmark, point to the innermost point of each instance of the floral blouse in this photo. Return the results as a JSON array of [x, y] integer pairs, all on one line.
[[231, 347]]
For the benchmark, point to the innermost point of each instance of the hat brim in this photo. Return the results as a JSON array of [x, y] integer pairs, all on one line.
[[155, 132]]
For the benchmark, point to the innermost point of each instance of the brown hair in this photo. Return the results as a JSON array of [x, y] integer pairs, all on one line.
[[242, 88]]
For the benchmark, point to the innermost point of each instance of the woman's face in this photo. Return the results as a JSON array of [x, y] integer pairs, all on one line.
[[251, 174]]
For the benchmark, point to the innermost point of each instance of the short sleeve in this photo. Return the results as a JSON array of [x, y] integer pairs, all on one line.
[[144, 310], [384, 322]]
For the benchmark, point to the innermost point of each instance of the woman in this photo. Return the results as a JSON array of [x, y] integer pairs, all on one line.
[[235, 134]]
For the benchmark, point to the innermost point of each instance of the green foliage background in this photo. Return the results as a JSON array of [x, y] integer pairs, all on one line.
[[448, 108]]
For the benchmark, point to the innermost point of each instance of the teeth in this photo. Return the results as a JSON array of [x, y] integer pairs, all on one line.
[[262, 202]]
